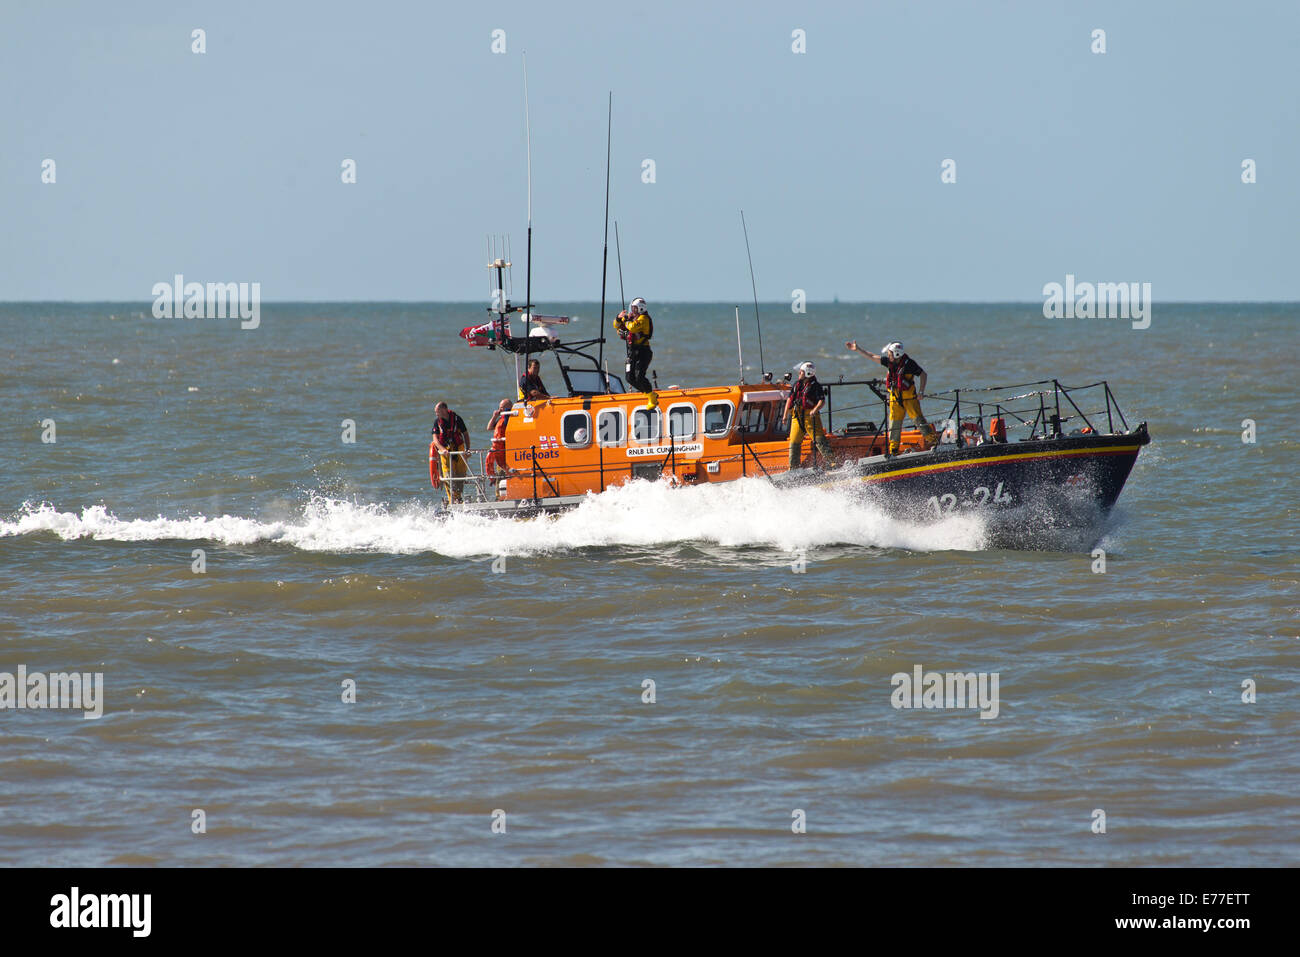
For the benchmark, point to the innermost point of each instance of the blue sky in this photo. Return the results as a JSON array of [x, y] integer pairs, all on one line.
[[226, 166]]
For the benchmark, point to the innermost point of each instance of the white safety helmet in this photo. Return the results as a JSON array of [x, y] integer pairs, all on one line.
[[808, 369], [637, 307], [893, 351]]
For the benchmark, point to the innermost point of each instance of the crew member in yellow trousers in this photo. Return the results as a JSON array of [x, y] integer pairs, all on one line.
[[450, 435], [806, 401], [635, 327], [904, 394]]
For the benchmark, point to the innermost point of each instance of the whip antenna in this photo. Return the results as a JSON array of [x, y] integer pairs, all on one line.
[[604, 265], [528, 138], [762, 367]]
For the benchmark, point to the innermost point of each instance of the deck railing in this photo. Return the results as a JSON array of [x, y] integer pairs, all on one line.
[[1039, 410], [1045, 410]]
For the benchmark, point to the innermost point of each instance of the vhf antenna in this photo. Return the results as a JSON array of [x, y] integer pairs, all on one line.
[[528, 139], [604, 265], [762, 367]]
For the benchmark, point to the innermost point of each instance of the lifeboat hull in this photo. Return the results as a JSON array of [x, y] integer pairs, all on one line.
[[1064, 482]]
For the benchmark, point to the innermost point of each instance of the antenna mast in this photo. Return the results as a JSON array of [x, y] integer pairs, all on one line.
[[528, 280], [604, 265], [754, 286]]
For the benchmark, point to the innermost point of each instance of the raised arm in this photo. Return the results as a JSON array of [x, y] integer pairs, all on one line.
[[853, 347]]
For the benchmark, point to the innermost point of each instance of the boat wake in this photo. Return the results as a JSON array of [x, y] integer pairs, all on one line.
[[748, 512]]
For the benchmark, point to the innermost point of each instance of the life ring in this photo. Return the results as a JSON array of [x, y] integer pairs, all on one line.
[[435, 467]]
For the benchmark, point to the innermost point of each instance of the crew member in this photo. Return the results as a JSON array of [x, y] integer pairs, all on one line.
[[450, 435], [636, 328], [904, 394], [806, 401], [496, 459], [530, 383]]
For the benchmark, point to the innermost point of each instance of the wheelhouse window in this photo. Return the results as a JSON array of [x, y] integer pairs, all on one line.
[[575, 430], [645, 426], [681, 422], [586, 381], [780, 429], [755, 417], [611, 427], [717, 419]]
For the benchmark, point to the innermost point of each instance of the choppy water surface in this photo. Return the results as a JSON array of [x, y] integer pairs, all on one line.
[[522, 691]]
